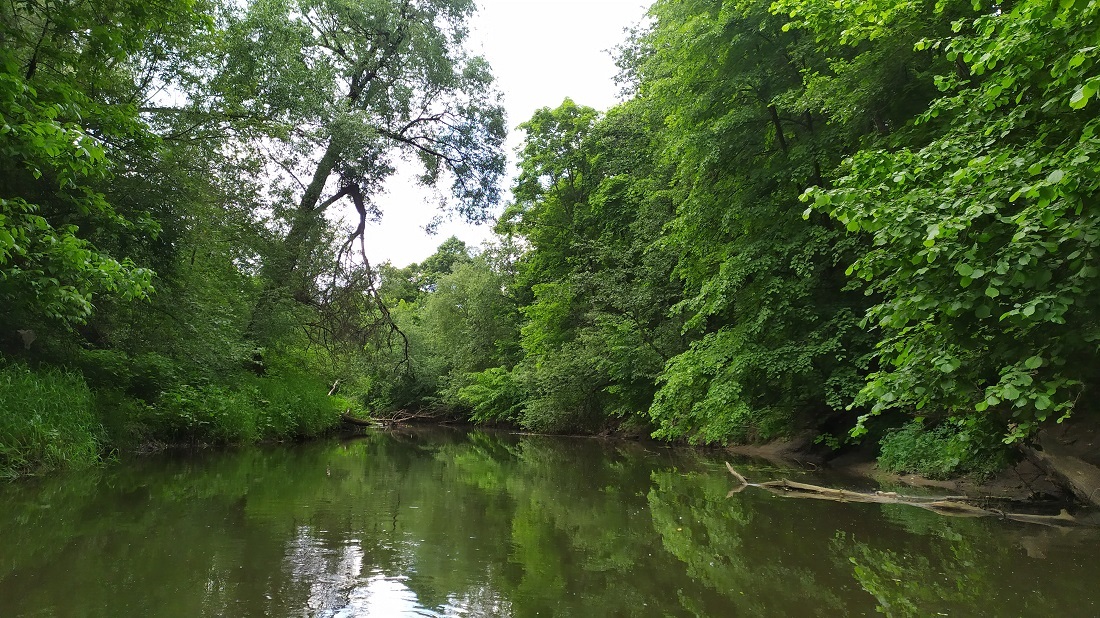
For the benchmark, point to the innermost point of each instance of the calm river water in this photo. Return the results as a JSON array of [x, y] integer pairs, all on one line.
[[434, 523]]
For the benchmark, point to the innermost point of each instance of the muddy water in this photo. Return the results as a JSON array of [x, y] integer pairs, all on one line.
[[477, 524]]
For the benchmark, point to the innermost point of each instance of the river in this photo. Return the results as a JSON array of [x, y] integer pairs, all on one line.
[[454, 523]]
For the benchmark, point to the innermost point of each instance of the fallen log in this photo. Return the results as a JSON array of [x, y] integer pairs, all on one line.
[[351, 420], [951, 506]]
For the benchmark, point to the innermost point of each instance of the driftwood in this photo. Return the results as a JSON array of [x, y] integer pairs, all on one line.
[[953, 506]]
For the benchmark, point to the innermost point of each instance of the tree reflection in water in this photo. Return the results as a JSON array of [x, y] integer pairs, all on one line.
[[478, 524]]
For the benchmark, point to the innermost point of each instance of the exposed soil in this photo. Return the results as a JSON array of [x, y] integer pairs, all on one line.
[[1068, 452], [1023, 482]]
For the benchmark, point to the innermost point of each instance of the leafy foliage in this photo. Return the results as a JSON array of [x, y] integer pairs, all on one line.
[[669, 272], [165, 170], [57, 147], [984, 239], [775, 331], [949, 450], [805, 213]]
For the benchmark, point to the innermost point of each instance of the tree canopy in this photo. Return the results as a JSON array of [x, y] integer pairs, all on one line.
[[165, 174], [870, 220]]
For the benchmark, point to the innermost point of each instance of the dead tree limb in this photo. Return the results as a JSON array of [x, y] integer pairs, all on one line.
[[952, 506]]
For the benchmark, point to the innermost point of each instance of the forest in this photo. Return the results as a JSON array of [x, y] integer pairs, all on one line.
[[875, 221]]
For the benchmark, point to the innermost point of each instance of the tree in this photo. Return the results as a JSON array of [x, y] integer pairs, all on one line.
[[775, 336], [69, 76], [343, 88], [595, 290], [450, 254]]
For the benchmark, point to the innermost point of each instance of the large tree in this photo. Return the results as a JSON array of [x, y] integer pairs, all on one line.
[[776, 339], [343, 88]]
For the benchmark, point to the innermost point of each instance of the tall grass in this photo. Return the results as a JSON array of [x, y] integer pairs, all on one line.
[[47, 421], [278, 407], [295, 404]]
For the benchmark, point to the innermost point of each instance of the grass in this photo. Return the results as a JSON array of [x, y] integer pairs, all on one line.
[[50, 419], [284, 406], [47, 421]]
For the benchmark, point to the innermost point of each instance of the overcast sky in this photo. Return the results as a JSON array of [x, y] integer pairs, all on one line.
[[541, 51]]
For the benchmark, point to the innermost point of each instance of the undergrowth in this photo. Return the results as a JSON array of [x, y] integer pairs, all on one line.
[[279, 407], [47, 421], [956, 447], [50, 419]]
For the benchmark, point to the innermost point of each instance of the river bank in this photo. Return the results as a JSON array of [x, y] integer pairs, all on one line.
[[1061, 465]]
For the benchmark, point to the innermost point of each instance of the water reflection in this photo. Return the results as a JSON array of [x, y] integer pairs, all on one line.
[[457, 524]]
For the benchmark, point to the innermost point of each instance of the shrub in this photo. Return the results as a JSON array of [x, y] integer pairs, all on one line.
[[124, 418], [953, 448], [493, 395], [276, 407], [208, 413], [295, 404]]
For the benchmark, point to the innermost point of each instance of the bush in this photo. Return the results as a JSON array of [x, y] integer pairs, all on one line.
[[954, 448], [47, 421], [124, 418], [493, 395], [210, 414], [140, 375]]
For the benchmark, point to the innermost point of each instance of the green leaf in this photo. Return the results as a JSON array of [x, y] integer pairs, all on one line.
[[1034, 362], [1081, 96]]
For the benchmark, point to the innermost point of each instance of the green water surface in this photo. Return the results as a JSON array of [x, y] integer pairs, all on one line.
[[450, 523]]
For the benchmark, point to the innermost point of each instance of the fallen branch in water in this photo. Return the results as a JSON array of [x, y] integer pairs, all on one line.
[[351, 420], [953, 506], [400, 417]]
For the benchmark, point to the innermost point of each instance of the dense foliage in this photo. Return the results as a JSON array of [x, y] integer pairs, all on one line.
[[844, 219], [167, 270], [937, 294]]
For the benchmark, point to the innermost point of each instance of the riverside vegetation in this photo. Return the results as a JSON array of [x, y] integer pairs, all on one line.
[[873, 220]]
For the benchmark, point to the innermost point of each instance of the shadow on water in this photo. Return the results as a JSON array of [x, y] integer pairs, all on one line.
[[440, 523]]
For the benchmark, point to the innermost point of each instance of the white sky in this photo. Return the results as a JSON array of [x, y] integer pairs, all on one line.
[[541, 51]]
